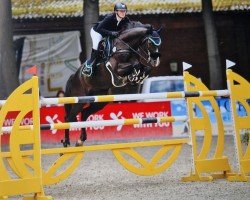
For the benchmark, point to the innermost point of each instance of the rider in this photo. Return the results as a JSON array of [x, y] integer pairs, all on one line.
[[109, 26]]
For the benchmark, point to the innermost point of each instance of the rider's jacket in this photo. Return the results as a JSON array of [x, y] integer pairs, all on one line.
[[109, 24]]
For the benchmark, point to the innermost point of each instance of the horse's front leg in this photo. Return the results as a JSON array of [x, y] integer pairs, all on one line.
[[144, 73], [136, 72], [124, 69]]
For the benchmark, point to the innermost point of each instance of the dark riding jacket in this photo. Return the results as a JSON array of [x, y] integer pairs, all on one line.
[[109, 25]]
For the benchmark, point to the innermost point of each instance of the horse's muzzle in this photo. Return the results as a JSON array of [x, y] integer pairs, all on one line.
[[155, 58], [155, 55]]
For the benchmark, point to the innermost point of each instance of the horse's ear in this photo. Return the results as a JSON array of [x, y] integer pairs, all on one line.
[[159, 30]]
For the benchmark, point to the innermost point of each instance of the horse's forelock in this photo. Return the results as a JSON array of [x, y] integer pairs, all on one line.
[[155, 34]]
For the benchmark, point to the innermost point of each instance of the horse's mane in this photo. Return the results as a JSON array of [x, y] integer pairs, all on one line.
[[134, 24], [133, 33]]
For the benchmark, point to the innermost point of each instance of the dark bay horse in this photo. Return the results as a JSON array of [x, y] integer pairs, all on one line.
[[133, 55]]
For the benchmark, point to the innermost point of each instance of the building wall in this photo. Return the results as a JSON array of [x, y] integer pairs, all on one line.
[[183, 39]]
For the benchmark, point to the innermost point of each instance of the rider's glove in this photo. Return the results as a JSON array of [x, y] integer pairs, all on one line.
[[114, 34]]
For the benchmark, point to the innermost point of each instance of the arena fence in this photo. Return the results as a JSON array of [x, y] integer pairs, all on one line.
[[208, 164]]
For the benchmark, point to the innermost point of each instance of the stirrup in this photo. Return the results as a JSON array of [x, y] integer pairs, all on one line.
[[87, 69]]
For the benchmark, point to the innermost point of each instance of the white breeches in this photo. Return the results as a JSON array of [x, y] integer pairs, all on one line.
[[96, 38]]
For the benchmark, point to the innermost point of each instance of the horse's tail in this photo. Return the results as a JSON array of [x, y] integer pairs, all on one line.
[[67, 107]]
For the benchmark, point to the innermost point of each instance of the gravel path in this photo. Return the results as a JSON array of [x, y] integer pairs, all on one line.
[[100, 176]]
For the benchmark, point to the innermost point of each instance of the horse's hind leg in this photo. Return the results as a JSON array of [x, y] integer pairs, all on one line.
[[83, 135], [86, 112], [66, 140], [71, 117]]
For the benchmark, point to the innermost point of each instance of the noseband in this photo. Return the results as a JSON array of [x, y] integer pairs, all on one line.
[[156, 41]]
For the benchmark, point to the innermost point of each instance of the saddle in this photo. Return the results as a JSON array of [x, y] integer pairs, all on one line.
[[104, 52], [105, 49]]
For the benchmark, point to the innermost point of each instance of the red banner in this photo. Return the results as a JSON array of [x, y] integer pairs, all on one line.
[[112, 111]]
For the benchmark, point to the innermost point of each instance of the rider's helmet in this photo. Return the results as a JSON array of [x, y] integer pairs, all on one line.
[[120, 6]]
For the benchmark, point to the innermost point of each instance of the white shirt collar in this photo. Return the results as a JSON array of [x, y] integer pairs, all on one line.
[[118, 19]]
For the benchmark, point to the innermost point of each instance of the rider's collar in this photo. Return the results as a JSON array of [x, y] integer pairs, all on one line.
[[119, 19]]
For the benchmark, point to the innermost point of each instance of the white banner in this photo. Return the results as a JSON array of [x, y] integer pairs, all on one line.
[[56, 56]]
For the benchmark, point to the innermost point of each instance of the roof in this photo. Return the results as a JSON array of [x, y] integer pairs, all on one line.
[[27, 9]]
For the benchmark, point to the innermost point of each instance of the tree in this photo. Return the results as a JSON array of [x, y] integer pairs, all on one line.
[[212, 45], [8, 68], [91, 15]]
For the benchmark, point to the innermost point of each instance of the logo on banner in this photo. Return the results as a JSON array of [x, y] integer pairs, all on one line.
[[115, 117], [151, 115], [53, 120]]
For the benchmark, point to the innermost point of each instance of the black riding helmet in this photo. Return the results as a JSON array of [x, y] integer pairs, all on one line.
[[120, 6]]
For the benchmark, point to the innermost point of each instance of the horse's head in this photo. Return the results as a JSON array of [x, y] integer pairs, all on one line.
[[141, 43], [149, 48], [135, 51]]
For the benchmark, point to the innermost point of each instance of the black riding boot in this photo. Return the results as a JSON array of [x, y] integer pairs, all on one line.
[[89, 63]]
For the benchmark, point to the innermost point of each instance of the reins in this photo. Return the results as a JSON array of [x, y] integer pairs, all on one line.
[[133, 50]]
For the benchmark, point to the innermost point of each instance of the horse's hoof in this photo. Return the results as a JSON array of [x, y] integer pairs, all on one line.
[[65, 143], [79, 143]]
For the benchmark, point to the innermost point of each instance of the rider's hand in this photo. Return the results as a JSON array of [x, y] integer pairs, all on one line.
[[114, 34]]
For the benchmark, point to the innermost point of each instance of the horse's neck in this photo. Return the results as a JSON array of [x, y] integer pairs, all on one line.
[[134, 35]]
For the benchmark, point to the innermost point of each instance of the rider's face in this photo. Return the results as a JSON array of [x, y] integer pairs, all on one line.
[[121, 13]]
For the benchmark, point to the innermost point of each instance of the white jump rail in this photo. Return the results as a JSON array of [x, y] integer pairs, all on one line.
[[85, 124], [132, 97]]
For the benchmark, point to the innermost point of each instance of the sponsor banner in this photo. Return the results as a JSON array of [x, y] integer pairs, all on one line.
[[112, 111]]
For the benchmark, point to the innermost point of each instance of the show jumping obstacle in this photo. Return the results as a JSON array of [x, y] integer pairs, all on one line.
[[29, 177]]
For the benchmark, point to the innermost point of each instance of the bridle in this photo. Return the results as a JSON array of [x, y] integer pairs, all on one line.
[[146, 55]]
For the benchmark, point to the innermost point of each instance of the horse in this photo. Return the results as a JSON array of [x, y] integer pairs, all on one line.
[[134, 52], [152, 43]]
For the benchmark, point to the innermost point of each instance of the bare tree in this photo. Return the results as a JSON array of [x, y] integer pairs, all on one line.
[[212, 45], [91, 15], [8, 68]]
